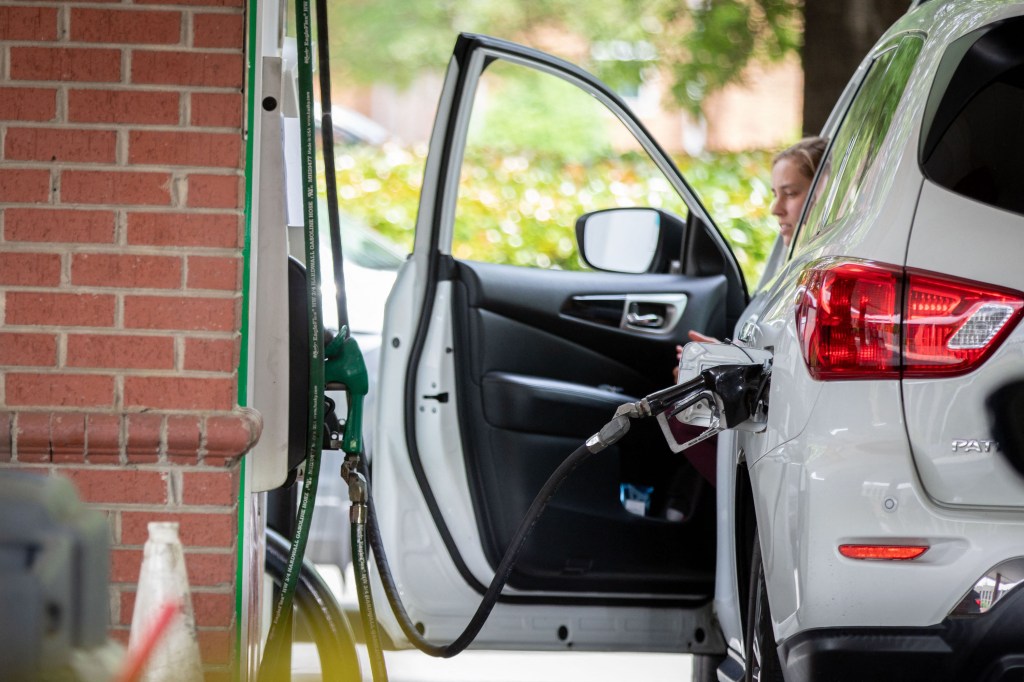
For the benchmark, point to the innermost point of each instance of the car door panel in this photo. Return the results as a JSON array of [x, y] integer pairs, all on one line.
[[506, 369], [535, 384], [548, 301]]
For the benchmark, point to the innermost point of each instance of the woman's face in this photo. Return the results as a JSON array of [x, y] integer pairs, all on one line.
[[790, 187]]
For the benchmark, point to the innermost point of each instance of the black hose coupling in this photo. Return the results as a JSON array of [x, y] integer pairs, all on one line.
[[609, 434]]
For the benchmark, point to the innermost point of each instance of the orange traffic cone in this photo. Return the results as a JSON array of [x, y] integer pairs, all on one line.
[[162, 646]]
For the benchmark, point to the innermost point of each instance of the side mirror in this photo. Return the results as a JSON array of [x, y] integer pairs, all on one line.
[[630, 240]]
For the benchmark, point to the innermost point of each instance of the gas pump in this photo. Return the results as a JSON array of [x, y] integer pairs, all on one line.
[[286, 347]]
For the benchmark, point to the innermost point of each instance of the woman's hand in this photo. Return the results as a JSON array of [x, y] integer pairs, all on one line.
[[699, 338]]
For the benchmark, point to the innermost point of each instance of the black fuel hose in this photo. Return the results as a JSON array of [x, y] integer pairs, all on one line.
[[330, 176], [367, 613], [611, 433]]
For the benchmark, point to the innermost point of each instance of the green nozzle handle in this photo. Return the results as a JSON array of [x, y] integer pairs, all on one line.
[[344, 365]]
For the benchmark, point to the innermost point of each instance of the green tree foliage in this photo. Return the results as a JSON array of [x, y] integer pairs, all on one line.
[[535, 99], [701, 45], [519, 206], [380, 188], [725, 36]]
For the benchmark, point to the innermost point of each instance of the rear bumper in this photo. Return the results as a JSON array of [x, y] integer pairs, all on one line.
[[983, 648]]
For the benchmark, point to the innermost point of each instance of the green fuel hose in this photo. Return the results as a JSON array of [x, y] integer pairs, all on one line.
[[279, 638]]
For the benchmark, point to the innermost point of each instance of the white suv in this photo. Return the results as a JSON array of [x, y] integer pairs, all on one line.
[[873, 529]]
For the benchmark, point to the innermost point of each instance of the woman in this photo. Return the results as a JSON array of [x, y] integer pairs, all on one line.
[[792, 172]]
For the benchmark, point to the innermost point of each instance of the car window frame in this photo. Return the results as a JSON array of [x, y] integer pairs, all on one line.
[[802, 238], [684, 200]]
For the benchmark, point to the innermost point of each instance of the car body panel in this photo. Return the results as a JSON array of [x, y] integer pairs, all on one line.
[[832, 486], [957, 457], [835, 452]]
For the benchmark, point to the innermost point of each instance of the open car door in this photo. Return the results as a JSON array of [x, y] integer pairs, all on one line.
[[503, 350]]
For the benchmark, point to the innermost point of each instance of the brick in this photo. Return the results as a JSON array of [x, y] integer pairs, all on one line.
[[28, 104], [103, 438], [203, 3], [183, 437], [210, 570], [67, 437], [120, 351], [214, 191], [58, 225], [144, 433], [126, 271], [126, 606], [179, 393], [111, 187], [60, 144], [219, 273], [206, 570], [147, 27], [194, 69], [80, 65], [213, 609], [211, 355], [216, 110], [217, 675], [215, 646], [124, 106], [24, 186], [215, 529], [119, 486], [229, 436], [125, 565], [210, 150], [212, 230], [181, 313], [29, 269], [218, 30], [60, 390], [32, 436], [67, 310], [218, 488], [28, 23], [6, 450], [28, 350]]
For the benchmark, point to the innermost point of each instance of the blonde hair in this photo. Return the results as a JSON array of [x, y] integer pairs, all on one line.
[[807, 154]]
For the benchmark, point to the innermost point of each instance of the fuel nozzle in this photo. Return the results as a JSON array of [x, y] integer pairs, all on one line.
[[344, 368], [722, 386], [733, 397]]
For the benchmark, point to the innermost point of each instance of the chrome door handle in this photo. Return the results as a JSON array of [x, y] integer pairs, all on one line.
[[649, 321]]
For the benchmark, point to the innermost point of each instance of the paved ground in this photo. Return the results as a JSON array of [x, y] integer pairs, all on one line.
[[501, 666]]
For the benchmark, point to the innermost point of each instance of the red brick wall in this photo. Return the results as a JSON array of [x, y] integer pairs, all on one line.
[[121, 226]]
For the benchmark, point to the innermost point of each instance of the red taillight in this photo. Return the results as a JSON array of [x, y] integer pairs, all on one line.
[[951, 326], [855, 321], [883, 552], [847, 321]]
